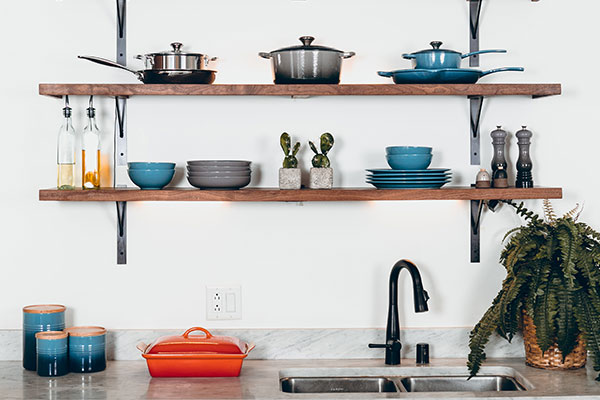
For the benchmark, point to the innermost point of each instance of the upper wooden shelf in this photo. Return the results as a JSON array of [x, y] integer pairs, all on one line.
[[336, 194], [481, 89]]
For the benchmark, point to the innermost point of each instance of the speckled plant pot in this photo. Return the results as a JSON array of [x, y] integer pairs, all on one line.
[[321, 178], [290, 178]]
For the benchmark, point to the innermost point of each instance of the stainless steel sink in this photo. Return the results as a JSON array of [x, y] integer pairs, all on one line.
[[338, 385], [494, 383]]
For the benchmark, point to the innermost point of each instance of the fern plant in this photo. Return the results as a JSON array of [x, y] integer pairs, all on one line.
[[553, 275]]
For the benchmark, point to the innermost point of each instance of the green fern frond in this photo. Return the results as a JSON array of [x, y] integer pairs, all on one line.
[[549, 211], [571, 213]]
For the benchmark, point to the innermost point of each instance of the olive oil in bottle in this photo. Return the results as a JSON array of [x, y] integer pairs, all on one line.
[[90, 155], [66, 152]]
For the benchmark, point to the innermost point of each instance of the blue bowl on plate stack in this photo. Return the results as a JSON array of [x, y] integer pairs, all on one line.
[[151, 175], [409, 170]]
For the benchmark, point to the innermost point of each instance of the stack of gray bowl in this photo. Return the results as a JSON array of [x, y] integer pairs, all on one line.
[[218, 174]]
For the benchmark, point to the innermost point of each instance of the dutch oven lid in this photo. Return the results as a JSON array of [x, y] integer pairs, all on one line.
[[176, 51], [436, 48], [306, 45], [196, 344]]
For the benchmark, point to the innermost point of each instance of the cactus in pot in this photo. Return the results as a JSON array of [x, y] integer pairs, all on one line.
[[289, 175], [321, 175]]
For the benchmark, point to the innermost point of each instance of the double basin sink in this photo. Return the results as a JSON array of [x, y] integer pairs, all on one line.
[[425, 380]]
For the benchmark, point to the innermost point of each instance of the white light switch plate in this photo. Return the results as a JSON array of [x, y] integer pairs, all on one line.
[[223, 302]]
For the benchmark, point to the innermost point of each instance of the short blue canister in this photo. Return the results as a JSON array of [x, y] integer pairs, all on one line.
[[87, 348], [52, 356], [39, 318]]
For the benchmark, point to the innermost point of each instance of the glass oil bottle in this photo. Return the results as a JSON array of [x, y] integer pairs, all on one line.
[[90, 155], [66, 151]]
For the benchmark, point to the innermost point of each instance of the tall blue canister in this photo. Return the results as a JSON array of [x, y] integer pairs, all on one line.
[[87, 348], [52, 356], [39, 318]]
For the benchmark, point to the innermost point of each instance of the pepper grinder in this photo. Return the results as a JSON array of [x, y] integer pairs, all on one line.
[[498, 141], [524, 164]]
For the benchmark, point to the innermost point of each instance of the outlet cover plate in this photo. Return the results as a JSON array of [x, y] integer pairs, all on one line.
[[223, 302]]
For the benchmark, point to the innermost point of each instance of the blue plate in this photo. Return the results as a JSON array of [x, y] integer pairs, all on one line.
[[408, 171], [408, 186], [408, 179], [408, 183]]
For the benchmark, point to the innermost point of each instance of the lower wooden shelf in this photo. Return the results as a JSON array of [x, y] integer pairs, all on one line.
[[273, 194]]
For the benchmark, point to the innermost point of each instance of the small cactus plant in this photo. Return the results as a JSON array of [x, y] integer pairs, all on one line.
[[321, 160], [290, 160]]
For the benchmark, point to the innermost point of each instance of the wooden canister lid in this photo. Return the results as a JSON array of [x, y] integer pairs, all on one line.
[[86, 331], [51, 335], [44, 309]]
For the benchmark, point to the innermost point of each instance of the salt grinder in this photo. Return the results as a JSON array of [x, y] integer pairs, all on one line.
[[524, 164], [483, 179], [498, 141]]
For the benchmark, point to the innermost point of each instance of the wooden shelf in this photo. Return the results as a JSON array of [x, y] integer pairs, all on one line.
[[270, 195], [125, 90]]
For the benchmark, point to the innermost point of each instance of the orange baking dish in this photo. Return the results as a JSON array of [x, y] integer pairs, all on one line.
[[187, 356]]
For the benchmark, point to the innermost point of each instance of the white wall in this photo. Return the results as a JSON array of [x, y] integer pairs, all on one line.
[[316, 265]]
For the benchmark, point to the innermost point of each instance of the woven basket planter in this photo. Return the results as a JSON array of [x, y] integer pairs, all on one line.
[[552, 358]]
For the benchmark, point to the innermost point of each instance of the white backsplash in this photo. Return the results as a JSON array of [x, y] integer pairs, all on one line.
[[301, 343]]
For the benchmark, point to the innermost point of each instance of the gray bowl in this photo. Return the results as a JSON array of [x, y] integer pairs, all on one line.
[[203, 182], [219, 163], [217, 169], [220, 174]]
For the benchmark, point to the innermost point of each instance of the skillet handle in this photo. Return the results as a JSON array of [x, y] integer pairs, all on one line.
[[197, 328], [482, 52], [264, 55], [493, 71], [385, 74], [409, 56], [109, 63], [348, 54]]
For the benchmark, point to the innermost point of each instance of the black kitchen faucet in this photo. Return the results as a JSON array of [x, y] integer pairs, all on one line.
[[392, 344]]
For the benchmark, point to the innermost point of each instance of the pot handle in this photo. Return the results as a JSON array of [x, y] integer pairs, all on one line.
[[482, 52], [348, 54], [109, 63], [265, 55], [141, 346], [493, 71], [197, 328], [385, 74], [208, 59], [407, 56], [145, 57], [250, 347]]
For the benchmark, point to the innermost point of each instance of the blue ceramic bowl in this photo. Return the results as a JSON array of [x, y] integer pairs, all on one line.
[[151, 179], [407, 150], [409, 161], [151, 165]]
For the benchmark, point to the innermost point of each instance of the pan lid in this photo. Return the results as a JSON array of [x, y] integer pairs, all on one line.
[[436, 49], [307, 45], [197, 344], [176, 51]]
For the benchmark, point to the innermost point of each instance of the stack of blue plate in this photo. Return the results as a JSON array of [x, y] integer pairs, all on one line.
[[409, 179]]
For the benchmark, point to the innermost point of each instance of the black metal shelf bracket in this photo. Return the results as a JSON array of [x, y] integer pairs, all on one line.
[[476, 105], [120, 148], [474, 16], [121, 232], [476, 208]]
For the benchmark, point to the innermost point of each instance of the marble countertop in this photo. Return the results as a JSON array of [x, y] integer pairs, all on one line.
[[260, 380]]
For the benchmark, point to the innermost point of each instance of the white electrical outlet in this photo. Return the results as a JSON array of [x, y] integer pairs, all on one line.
[[223, 302]]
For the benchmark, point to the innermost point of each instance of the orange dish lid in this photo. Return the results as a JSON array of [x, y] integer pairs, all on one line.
[[44, 308], [51, 335], [86, 331], [196, 344]]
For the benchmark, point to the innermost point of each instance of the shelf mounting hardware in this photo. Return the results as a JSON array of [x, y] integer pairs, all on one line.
[[476, 105], [476, 208], [120, 149], [474, 16]]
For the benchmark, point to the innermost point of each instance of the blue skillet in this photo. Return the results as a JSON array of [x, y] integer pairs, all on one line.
[[447, 75]]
